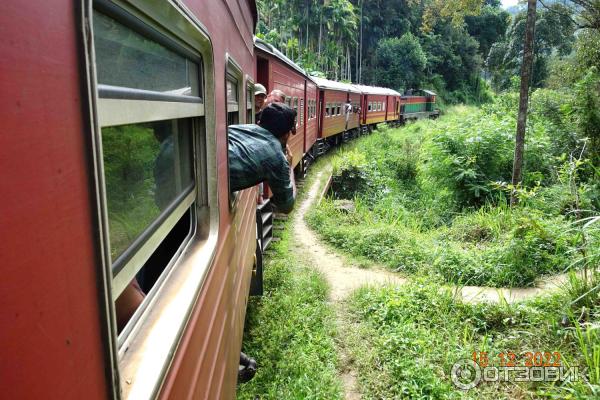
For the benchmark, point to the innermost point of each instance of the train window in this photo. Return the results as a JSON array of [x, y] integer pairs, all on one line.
[[370, 106], [141, 62], [295, 108], [250, 103], [233, 77], [301, 112], [148, 155], [152, 186], [232, 101], [147, 167], [327, 110], [288, 101], [339, 109]]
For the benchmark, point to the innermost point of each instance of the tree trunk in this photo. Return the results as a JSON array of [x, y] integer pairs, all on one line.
[[523, 99], [307, 17], [348, 71], [360, 44], [320, 34]]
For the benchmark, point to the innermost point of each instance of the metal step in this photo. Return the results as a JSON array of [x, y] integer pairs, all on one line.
[[264, 222], [322, 147], [266, 216], [267, 230], [346, 136]]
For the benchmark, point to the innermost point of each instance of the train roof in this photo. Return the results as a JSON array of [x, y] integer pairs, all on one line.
[[376, 90], [334, 85], [270, 49]]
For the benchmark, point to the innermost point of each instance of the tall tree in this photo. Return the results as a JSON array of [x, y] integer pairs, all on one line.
[[554, 36], [400, 62], [523, 98]]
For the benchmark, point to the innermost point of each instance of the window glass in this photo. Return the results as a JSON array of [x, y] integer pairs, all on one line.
[[233, 117], [249, 105], [126, 58], [301, 112], [249, 97], [232, 91], [295, 107], [146, 166]]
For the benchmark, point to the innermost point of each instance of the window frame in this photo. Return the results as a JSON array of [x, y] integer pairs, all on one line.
[[250, 100], [136, 370], [233, 70]]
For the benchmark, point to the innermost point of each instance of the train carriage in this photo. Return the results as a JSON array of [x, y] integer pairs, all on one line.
[[116, 169], [311, 122], [416, 104], [276, 71], [393, 106], [375, 107], [334, 118]]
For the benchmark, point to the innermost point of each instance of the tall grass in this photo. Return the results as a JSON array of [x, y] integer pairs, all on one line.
[[429, 199]]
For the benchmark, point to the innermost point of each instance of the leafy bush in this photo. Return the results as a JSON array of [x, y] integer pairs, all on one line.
[[353, 175], [467, 156]]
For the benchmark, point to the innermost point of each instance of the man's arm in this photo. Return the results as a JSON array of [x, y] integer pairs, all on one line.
[[282, 184]]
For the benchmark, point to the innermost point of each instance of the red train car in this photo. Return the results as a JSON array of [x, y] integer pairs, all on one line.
[[276, 71], [115, 172], [311, 122], [336, 117], [373, 105], [393, 106]]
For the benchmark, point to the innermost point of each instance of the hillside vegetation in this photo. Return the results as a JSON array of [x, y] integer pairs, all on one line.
[[431, 198]]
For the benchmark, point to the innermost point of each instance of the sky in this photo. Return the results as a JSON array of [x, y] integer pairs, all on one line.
[[508, 3]]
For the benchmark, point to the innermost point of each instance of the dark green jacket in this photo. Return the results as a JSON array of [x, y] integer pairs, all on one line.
[[256, 155]]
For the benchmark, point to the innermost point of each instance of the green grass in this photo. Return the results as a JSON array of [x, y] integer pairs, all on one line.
[[290, 330], [409, 338]]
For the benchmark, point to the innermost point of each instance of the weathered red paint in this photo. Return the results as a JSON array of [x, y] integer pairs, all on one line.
[[50, 325]]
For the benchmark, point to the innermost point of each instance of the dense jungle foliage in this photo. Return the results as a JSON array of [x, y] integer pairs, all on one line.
[[456, 48]]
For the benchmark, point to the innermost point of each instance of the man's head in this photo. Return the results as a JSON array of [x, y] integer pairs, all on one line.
[[260, 95], [279, 119], [276, 96]]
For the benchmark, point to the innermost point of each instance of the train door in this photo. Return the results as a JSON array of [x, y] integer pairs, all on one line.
[[262, 73], [321, 112]]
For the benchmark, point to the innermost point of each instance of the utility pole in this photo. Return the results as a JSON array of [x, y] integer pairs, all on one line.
[[523, 99]]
